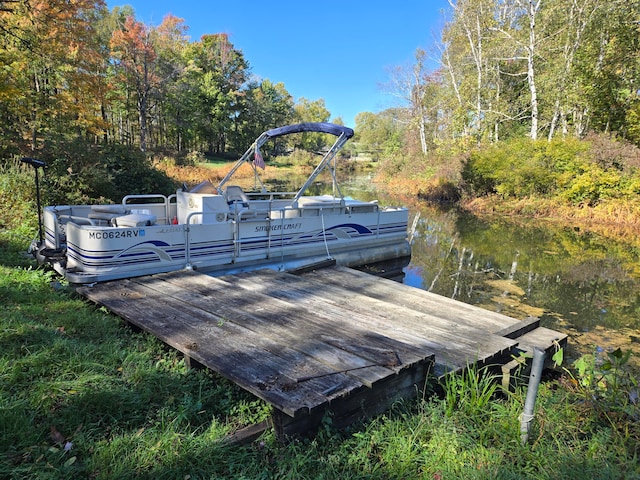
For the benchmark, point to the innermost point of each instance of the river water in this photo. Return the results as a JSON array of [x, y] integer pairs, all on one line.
[[575, 281]]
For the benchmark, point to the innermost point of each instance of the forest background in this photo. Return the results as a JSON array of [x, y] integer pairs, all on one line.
[[529, 99]]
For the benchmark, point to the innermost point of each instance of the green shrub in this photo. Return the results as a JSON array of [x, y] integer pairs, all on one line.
[[630, 186], [522, 167], [593, 185], [633, 123], [393, 165], [192, 159], [18, 214], [494, 169], [303, 157], [81, 173], [608, 385]]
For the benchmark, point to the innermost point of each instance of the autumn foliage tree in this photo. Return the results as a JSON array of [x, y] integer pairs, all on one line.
[[52, 71], [76, 70], [135, 59], [81, 86], [78, 73]]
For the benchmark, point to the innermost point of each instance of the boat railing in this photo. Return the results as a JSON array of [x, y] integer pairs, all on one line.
[[236, 234], [63, 218], [187, 240], [163, 207], [314, 209], [270, 195], [273, 213]]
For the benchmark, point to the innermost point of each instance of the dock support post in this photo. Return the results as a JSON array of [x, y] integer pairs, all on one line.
[[532, 393]]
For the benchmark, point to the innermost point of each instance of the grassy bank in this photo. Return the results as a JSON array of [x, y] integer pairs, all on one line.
[[84, 396], [616, 219], [591, 183]]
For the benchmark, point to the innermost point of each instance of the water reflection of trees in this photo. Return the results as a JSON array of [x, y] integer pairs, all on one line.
[[571, 278]]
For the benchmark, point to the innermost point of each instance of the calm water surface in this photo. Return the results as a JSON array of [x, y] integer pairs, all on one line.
[[577, 282]]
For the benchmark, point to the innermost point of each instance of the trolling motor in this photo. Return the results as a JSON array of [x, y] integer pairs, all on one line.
[[35, 163], [37, 248]]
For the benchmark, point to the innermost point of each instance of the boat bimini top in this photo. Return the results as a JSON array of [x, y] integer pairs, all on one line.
[[343, 134]]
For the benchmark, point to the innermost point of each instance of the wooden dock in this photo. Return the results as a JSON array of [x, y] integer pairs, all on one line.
[[332, 340]]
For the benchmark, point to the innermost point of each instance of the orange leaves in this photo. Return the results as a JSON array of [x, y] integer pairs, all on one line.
[[172, 28], [132, 45], [60, 28], [55, 66]]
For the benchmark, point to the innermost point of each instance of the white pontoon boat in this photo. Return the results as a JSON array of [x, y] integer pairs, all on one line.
[[222, 229]]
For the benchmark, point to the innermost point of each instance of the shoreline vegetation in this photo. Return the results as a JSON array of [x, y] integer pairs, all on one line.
[[591, 184], [609, 206], [613, 219]]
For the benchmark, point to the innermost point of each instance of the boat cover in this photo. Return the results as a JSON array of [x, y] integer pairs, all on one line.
[[319, 127]]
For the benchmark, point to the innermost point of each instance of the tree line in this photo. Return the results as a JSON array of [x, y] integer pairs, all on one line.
[[541, 69], [503, 69], [79, 70]]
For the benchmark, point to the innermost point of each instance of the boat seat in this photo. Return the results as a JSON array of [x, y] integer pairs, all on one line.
[[204, 187], [103, 214], [134, 220], [320, 201], [103, 217], [320, 204], [119, 209], [235, 194]]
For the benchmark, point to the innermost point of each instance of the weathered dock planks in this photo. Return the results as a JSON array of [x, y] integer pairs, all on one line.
[[333, 340]]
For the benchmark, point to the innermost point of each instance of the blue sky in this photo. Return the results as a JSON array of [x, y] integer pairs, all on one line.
[[340, 51]]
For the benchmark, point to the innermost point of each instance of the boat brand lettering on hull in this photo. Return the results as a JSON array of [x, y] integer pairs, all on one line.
[[169, 230], [273, 228], [114, 234]]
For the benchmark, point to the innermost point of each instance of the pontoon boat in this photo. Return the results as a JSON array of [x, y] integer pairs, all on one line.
[[222, 229]]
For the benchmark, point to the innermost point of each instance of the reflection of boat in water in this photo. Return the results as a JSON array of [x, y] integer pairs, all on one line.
[[223, 229]]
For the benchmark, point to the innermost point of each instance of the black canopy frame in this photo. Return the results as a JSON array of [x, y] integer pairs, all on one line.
[[343, 134]]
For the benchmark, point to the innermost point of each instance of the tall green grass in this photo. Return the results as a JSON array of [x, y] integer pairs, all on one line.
[[83, 395]]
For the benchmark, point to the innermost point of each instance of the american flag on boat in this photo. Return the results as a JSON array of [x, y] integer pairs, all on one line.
[[258, 161]]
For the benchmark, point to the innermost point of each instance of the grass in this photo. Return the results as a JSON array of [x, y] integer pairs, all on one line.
[[613, 218], [82, 395]]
